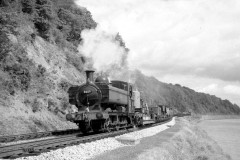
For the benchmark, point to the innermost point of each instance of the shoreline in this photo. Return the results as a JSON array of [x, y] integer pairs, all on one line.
[[188, 141], [200, 118], [218, 117]]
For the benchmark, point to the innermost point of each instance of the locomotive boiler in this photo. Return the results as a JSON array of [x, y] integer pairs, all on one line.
[[102, 105]]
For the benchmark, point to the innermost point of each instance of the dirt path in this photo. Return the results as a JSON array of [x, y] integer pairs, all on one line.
[[131, 152]]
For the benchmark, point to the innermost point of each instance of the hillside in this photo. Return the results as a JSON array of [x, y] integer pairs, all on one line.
[[40, 59], [182, 98]]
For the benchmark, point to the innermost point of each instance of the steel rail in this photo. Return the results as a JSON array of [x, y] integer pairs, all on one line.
[[17, 150], [37, 147], [12, 138]]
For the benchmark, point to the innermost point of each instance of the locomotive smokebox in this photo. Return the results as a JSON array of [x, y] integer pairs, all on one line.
[[89, 76]]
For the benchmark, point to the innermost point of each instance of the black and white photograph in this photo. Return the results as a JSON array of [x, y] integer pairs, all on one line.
[[120, 79]]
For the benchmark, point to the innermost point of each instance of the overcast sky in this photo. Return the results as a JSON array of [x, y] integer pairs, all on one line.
[[195, 43]]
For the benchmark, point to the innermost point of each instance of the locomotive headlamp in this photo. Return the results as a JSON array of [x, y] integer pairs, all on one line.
[[99, 115]]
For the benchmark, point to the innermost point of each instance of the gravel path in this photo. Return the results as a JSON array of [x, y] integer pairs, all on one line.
[[92, 149]]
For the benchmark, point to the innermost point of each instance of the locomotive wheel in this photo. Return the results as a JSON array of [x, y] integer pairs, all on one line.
[[96, 130], [83, 128], [117, 128], [84, 131], [107, 126]]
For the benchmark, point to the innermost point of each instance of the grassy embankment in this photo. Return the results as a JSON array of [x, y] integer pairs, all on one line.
[[190, 143], [39, 60]]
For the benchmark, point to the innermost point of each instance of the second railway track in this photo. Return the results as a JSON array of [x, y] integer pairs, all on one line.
[[35, 147], [12, 138]]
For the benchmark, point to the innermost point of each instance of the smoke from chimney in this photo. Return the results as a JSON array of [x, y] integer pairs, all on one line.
[[106, 53], [103, 48]]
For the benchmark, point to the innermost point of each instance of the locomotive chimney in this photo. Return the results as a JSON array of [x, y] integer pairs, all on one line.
[[89, 76]]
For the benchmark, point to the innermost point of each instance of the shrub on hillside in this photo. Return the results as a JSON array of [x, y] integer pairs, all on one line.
[[63, 3], [4, 3], [38, 105], [72, 21], [64, 85], [28, 6], [5, 46], [59, 39], [42, 20], [15, 63], [20, 76], [8, 22], [40, 71], [65, 104], [76, 60], [7, 85]]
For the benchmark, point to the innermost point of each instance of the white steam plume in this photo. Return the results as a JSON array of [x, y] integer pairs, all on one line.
[[105, 54], [103, 49]]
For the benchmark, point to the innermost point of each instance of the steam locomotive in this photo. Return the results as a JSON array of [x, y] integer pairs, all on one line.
[[105, 105]]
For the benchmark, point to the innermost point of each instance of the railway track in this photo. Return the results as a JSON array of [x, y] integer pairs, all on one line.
[[36, 147], [12, 138]]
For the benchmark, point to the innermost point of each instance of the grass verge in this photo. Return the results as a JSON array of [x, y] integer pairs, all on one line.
[[190, 143]]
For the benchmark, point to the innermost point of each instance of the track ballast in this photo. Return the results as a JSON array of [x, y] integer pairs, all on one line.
[[45, 145]]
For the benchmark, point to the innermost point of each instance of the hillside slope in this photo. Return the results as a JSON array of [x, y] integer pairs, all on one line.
[[39, 60], [182, 98]]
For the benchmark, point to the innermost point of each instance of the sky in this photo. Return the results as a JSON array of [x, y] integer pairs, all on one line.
[[194, 43]]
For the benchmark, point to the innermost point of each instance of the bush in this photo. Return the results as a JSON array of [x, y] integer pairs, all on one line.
[[5, 46], [40, 71], [4, 3], [28, 6], [76, 60], [63, 3], [51, 104], [15, 63], [64, 85], [9, 87], [73, 21], [44, 9], [38, 105], [43, 17], [20, 76], [65, 104], [43, 27], [8, 23]]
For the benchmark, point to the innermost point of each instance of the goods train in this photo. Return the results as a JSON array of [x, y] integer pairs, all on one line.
[[105, 105]]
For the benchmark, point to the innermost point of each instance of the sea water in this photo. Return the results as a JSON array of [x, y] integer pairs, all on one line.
[[226, 133]]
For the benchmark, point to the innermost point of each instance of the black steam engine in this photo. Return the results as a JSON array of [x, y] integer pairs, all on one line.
[[102, 105]]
